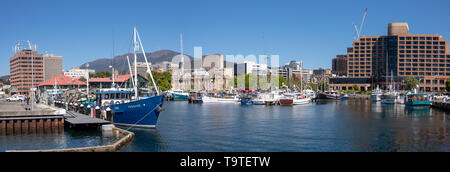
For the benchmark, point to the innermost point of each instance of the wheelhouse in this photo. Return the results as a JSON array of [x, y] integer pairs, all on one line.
[[107, 98]]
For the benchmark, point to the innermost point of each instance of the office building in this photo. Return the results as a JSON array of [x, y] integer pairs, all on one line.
[[52, 66], [26, 70]]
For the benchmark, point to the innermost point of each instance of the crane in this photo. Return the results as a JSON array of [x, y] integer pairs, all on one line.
[[358, 31]]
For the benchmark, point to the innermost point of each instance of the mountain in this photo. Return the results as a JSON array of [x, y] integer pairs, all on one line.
[[120, 63], [6, 77]]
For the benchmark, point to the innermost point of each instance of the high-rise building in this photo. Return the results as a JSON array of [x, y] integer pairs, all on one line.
[[25, 67], [339, 65], [399, 55], [52, 66]]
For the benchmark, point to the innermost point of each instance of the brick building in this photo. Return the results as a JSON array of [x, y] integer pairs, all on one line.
[[22, 66]]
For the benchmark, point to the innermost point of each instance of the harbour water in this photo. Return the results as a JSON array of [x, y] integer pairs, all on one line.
[[352, 125], [61, 140]]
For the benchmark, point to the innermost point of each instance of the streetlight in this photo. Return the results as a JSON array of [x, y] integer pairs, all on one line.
[[87, 80]]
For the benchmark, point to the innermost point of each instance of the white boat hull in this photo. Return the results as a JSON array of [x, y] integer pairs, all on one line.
[[302, 101], [219, 100]]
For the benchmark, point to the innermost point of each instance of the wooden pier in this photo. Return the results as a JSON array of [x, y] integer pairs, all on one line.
[[75, 120]]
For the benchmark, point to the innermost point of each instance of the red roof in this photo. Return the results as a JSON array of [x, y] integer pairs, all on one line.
[[120, 78], [62, 80]]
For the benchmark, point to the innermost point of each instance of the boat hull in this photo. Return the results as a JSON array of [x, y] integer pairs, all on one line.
[[327, 97], [301, 101], [218, 100], [142, 113], [286, 102], [418, 104], [246, 102], [180, 97], [259, 102]]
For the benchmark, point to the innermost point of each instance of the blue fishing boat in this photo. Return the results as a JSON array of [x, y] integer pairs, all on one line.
[[128, 108], [417, 100], [142, 113]]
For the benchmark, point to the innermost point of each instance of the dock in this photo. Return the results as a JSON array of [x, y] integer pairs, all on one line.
[[16, 119], [75, 120]]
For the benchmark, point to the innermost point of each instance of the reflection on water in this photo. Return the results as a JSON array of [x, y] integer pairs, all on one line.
[[328, 126]]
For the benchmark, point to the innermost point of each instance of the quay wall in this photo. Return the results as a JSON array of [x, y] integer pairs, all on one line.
[[125, 138], [17, 126]]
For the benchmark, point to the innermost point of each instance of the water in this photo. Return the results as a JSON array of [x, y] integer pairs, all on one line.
[[62, 140], [333, 126]]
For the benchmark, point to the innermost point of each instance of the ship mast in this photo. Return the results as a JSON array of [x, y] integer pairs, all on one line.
[[137, 47]]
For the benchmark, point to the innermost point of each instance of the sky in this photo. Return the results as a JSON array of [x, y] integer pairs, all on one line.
[[311, 31]]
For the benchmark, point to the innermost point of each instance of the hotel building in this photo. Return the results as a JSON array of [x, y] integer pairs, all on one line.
[[379, 60]]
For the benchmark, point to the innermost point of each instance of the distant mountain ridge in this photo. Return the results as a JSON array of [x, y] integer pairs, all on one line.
[[120, 63]]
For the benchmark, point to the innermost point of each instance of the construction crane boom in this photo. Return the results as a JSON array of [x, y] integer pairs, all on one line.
[[358, 31]]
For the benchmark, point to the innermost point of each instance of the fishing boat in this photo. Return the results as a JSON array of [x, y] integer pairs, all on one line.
[[328, 95], [179, 95], [131, 110], [417, 100]]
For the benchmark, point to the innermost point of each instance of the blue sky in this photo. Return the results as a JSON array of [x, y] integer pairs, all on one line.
[[312, 31]]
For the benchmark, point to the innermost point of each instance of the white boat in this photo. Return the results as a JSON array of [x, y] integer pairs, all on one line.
[[376, 95], [301, 99], [310, 93], [209, 99], [389, 98]]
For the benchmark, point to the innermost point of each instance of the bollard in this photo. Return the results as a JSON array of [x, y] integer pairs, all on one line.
[[108, 114], [89, 112], [82, 109], [75, 107], [98, 112]]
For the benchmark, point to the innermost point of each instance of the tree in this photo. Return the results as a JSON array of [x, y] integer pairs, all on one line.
[[163, 80], [322, 85], [101, 74], [355, 88], [411, 83], [7, 91], [447, 85]]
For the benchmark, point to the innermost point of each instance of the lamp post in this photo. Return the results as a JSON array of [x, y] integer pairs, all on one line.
[[87, 80]]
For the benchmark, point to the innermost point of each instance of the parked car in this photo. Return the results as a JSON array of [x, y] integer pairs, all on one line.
[[16, 98]]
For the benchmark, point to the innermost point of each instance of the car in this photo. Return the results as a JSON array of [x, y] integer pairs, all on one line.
[[16, 98]]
